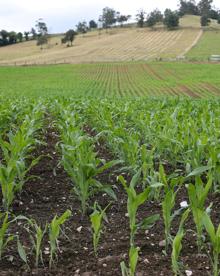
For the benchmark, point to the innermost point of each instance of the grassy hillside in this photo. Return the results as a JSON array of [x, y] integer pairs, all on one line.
[[119, 44], [208, 45], [209, 42], [112, 79]]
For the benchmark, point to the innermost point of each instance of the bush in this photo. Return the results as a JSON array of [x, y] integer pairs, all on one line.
[[171, 19], [204, 21]]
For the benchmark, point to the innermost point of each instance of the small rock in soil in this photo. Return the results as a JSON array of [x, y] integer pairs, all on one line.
[[188, 272], [162, 243], [79, 229], [146, 261]]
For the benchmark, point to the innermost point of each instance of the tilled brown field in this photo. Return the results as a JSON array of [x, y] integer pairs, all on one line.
[[50, 194]]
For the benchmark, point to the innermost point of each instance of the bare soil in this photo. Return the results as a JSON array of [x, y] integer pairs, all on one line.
[[50, 194]]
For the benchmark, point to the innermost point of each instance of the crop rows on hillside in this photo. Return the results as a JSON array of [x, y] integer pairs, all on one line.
[[116, 45], [113, 79], [146, 79]]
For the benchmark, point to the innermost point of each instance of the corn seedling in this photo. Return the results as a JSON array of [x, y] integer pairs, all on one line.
[[96, 219], [54, 233], [16, 150], [133, 260], [197, 196], [171, 188], [133, 202], [83, 166], [214, 236], [4, 237], [177, 244], [36, 234]]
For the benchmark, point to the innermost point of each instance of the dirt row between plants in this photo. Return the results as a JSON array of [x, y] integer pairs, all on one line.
[[50, 194]]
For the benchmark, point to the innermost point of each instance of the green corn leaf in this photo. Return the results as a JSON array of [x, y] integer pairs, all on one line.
[[21, 251], [208, 226], [133, 259], [148, 222], [199, 171], [108, 165], [135, 179]]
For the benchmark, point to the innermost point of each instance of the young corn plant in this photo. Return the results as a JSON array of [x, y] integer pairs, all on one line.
[[177, 245], [214, 236], [147, 161], [134, 201], [133, 260], [36, 234], [96, 219], [171, 188], [54, 233], [83, 166], [13, 168], [168, 204], [4, 237], [198, 193]]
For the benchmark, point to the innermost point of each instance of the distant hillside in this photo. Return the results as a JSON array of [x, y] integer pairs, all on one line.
[[119, 44]]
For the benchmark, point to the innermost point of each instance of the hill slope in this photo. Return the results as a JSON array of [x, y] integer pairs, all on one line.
[[119, 44]]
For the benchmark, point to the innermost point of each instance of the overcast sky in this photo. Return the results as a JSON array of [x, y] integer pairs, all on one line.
[[60, 15]]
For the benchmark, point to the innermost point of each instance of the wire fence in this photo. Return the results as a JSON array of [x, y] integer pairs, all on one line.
[[66, 61]]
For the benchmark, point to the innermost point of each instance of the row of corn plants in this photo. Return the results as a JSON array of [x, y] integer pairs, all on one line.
[[38, 236], [79, 157], [21, 131], [180, 133], [16, 147], [12, 113], [184, 136]]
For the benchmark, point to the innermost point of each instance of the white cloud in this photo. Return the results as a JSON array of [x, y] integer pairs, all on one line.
[[61, 15]]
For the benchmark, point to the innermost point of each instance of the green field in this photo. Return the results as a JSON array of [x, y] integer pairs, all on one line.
[[113, 79], [209, 44]]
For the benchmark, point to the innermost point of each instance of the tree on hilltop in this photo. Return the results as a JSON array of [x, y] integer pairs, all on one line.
[[93, 24], [153, 18], [171, 19], [20, 36], [82, 27], [26, 35], [205, 7], [42, 33], [188, 7], [69, 37], [108, 17], [140, 18], [34, 33], [121, 19], [4, 38]]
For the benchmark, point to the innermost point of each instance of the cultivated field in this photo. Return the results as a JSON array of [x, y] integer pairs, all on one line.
[[90, 186], [113, 79], [119, 44]]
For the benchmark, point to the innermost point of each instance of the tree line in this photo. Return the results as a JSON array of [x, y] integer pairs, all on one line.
[[171, 18], [38, 33], [110, 18]]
